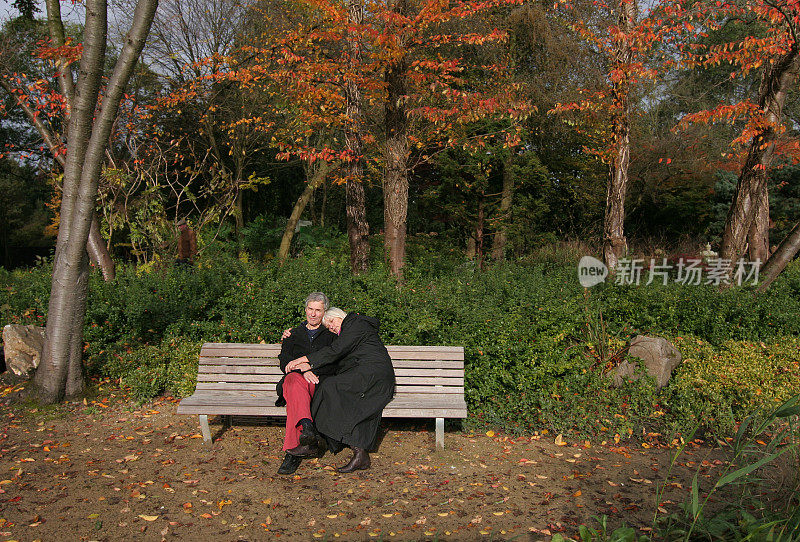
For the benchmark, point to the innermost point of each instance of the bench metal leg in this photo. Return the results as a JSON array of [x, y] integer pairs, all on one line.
[[440, 433], [204, 428], [228, 421]]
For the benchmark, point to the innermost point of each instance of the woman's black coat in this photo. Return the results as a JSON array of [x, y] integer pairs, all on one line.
[[347, 407], [298, 345]]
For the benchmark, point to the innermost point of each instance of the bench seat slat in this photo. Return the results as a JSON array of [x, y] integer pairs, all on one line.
[[246, 386], [241, 410], [249, 369], [273, 362], [228, 360], [239, 369], [265, 378], [238, 377], [257, 398], [270, 386]]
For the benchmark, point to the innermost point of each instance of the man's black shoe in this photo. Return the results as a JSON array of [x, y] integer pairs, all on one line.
[[304, 451], [290, 464]]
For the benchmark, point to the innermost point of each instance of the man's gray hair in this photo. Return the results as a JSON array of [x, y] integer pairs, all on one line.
[[334, 312], [320, 298]]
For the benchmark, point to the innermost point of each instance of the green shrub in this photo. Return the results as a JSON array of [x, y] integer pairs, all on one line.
[[151, 370], [715, 388], [530, 332], [24, 295]]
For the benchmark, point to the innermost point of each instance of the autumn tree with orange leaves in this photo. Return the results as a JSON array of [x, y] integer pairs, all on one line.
[[626, 40], [387, 86], [445, 70], [771, 48]]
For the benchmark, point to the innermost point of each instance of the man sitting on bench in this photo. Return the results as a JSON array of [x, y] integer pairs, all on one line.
[[295, 390]]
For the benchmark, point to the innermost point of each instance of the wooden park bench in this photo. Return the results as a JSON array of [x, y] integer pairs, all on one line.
[[239, 379]]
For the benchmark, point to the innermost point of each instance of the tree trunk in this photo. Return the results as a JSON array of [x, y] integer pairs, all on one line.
[[55, 25], [317, 179], [98, 251], [60, 370], [238, 210], [395, 183], [67, 294], [357, 226], [787, 250], [479, 232], [324, 205], [776, 80], [758, 235], [501, 235], [615, 245]]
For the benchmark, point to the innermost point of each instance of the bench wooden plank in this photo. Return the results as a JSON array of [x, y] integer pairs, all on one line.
[[228, 360], [274, 377], [212, 398], [270, 387], [271, 351], [268, 402], [239, 410], [234, 386], [261, 370], [265, 366], [256, 378]]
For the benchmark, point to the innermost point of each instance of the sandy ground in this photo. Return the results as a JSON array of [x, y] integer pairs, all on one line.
[[107, 469]]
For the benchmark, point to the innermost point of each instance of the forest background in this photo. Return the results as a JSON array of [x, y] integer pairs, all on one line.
[[442, 165]]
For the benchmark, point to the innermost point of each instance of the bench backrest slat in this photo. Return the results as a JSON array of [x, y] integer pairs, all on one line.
[[255, 367]]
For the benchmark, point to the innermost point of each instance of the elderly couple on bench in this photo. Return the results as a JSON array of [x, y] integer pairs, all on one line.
[[337, 379]]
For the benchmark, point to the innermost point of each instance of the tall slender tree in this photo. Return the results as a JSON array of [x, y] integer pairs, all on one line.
[[626, 43], [395, 179], [357, 225], [60, 372]]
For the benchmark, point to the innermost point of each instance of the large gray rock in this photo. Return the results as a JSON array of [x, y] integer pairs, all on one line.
[[659, 356], [23, 348]]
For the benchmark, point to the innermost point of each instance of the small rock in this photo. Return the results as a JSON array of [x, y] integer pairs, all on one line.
[[23, 348], [660, 359]]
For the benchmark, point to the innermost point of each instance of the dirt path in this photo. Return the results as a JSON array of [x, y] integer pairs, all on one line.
[[109, 470]]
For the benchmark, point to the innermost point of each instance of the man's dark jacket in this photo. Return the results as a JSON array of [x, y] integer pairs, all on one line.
[[296, 346], [348, 407]]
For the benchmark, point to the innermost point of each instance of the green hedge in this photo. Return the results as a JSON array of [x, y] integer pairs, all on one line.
[[530, 332]]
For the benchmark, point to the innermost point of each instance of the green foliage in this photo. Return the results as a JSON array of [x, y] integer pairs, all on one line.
[[535, 352], [23, 214], [601, 534], [718, 387], [261, 236], [150, 370], [24, 294]]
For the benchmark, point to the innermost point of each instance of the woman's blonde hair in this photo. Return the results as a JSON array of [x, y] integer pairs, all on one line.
[[334, 312]]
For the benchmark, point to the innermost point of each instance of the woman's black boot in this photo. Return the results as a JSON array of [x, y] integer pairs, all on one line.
[[359, 461]]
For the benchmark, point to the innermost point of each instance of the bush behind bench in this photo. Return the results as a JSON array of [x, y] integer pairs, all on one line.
[[525, 328]]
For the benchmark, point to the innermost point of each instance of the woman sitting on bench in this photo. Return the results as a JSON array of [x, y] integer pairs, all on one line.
[[347, 407]]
